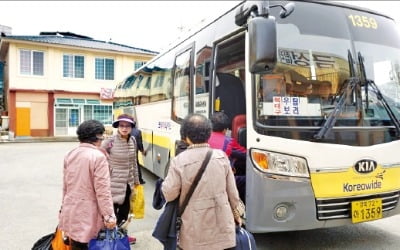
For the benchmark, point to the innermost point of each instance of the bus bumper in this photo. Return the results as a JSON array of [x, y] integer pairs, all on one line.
[[276, 204]]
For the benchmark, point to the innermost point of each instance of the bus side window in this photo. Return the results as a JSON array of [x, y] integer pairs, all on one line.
[[182, 86], [182, 80], [230, 68], [200, 86], [202, 73]]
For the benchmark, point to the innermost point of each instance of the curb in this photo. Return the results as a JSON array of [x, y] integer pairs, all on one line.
[[40, 139]]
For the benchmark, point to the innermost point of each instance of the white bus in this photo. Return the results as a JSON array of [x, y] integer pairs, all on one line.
[[313, 92]]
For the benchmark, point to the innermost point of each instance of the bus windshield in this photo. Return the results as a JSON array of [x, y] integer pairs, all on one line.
[[318, 52]]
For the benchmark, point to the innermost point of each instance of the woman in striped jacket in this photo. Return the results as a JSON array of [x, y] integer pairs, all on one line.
[[123, 167]]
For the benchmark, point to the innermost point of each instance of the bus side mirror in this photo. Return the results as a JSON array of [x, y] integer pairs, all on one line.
[[262, 44]]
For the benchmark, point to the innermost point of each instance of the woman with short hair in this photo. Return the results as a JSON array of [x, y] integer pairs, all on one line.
[[209, 219], [86, 202]]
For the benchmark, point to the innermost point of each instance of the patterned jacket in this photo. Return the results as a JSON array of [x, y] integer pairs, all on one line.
[[123, 165]]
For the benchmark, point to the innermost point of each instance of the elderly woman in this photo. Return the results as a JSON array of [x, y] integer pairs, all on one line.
[[86, 204], [123, 166], [209, 219]]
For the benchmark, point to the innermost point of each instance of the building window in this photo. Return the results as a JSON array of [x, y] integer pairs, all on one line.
[[138, 64], [102, 113], [31, 62], [159, 81], [73, 66], [104, 69]]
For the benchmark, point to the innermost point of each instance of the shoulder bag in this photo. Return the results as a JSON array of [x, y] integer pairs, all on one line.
[[196, 180]]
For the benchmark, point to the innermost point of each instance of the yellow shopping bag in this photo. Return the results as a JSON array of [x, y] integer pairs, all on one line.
[[137, 202]]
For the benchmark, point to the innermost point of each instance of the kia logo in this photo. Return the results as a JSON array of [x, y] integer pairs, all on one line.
[[365, 166]]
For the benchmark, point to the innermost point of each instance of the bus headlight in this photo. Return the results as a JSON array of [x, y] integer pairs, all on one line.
[[281, 164]]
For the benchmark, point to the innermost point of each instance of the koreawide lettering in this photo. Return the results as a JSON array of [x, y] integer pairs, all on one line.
[[361, 186]]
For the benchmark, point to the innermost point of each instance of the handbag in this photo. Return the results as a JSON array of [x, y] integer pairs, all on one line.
[[169, 223], [53, 241], [110, 239], [58, 242], [196, 180], [44, 243], [244, 240], [137, 202]]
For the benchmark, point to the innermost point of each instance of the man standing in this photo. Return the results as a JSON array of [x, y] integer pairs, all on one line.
[[139, 141]]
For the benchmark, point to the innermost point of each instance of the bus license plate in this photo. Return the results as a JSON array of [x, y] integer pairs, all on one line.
[[366, 210]]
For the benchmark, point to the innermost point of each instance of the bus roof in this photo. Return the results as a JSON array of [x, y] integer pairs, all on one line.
[[345, 5], [194, 32]]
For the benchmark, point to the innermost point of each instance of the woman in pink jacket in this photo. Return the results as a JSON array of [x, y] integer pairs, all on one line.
[[87, 204], [209, 219]]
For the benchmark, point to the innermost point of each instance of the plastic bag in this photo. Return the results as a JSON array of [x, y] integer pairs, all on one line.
[[58, 242], [110, 239], [137, 202], [53, 241], [43, 243]]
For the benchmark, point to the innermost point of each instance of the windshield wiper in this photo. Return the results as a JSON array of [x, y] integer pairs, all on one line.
[[379, 95], [328, 124], [348, 88], [364, 78], [389, 110], [349, 83]]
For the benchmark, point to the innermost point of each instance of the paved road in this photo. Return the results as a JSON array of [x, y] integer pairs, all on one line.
[[30, 197]]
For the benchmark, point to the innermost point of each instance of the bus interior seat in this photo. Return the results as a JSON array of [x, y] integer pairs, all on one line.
[[322, 89], [231, 94], [239, 129], [299, 89], [297, 84]]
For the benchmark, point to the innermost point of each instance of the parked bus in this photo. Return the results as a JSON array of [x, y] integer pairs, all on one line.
[[313, 93]]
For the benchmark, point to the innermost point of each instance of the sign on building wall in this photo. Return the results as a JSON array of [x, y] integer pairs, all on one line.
[[106, 93]]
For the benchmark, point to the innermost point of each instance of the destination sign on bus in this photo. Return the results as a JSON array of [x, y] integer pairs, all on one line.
[[291, 106], [306, 58]]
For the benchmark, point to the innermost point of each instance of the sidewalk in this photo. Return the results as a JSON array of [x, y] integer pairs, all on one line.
[[25, 139]]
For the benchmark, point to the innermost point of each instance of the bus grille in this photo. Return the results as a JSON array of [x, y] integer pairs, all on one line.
[[329, 209]]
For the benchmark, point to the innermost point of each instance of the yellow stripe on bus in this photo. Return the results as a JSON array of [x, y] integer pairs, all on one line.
[[158, 140], [162, 141], [350, 183]]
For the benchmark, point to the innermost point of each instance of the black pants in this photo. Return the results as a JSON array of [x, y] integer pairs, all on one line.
[[122, 211], [75, 245], [241, 186], [233, 248], [140, 172]]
